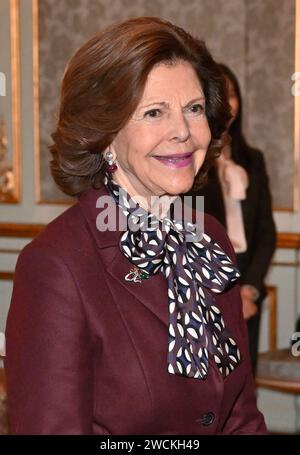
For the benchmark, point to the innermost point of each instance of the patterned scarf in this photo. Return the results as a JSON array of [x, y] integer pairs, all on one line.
[[195, 271]]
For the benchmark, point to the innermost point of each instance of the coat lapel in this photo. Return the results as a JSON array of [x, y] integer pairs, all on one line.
[[151, 292]]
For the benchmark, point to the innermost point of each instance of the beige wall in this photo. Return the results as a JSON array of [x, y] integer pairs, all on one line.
[[221, 23], [254, 37]]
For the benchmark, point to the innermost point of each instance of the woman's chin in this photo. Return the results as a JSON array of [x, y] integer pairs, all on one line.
[[179, 187]]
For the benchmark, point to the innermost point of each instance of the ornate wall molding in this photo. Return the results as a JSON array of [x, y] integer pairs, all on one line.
[[288, 240], [21, 230], [297, 112], [7, 276], [40, 199], [10, 169], [285, 240]]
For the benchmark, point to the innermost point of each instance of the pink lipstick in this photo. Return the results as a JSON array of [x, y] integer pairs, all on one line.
[[176, 160]]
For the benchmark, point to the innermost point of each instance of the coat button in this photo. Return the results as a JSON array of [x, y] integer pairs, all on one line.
[[207, 418]]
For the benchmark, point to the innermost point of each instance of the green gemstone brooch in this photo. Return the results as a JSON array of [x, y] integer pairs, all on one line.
[[136, 275]]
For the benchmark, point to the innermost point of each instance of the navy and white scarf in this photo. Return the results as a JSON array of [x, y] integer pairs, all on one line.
[[195, 271]]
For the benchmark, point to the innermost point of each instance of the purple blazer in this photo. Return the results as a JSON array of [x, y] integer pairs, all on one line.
[[87, 350]]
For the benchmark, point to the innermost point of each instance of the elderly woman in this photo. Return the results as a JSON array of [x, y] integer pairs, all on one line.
[[125, 330]]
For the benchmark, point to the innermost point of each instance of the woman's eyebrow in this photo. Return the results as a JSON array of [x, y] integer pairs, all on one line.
[[157, 103], [165, 104], [195, 100]]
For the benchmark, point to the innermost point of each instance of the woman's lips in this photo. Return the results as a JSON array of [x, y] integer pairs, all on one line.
[[177, 160]]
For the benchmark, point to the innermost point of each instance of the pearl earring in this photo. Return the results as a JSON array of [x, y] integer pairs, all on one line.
[[111, 163]]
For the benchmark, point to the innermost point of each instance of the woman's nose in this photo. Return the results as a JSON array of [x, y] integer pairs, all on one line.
[[179, 128]]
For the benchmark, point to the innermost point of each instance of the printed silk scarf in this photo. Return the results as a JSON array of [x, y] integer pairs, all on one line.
[[194, 272]]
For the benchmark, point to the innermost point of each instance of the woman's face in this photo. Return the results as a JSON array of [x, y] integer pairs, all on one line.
[[232, 100], [163, 145]]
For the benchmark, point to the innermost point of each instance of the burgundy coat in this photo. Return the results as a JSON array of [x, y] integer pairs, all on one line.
[[87, 350]]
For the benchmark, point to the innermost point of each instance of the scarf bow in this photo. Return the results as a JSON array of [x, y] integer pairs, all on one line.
[[195, 271]]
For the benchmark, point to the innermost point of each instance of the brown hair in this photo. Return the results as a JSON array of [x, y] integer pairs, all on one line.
[[103, 84]]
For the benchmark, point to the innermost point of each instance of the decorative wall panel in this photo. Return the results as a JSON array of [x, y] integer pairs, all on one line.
[[255, 38], [9, 102]]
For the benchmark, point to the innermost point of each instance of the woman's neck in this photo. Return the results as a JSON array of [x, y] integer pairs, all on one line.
[[157, 204]]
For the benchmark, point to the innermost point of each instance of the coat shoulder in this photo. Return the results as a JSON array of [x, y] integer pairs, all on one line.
[[257, 158], [62, 234]]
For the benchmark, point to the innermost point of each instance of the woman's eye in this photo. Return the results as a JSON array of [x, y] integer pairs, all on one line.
[[153, 113], [197, 108]]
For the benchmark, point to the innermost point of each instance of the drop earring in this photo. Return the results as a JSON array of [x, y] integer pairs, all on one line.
[[111, 163]]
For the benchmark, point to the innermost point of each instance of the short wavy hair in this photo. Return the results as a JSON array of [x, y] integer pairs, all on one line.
[[103, 84]]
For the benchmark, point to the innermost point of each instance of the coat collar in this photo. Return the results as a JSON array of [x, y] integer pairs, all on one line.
[[89, 204], [152, 293]]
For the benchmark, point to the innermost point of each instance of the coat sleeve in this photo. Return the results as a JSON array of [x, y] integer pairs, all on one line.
[[48, 355], [265, 233]]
